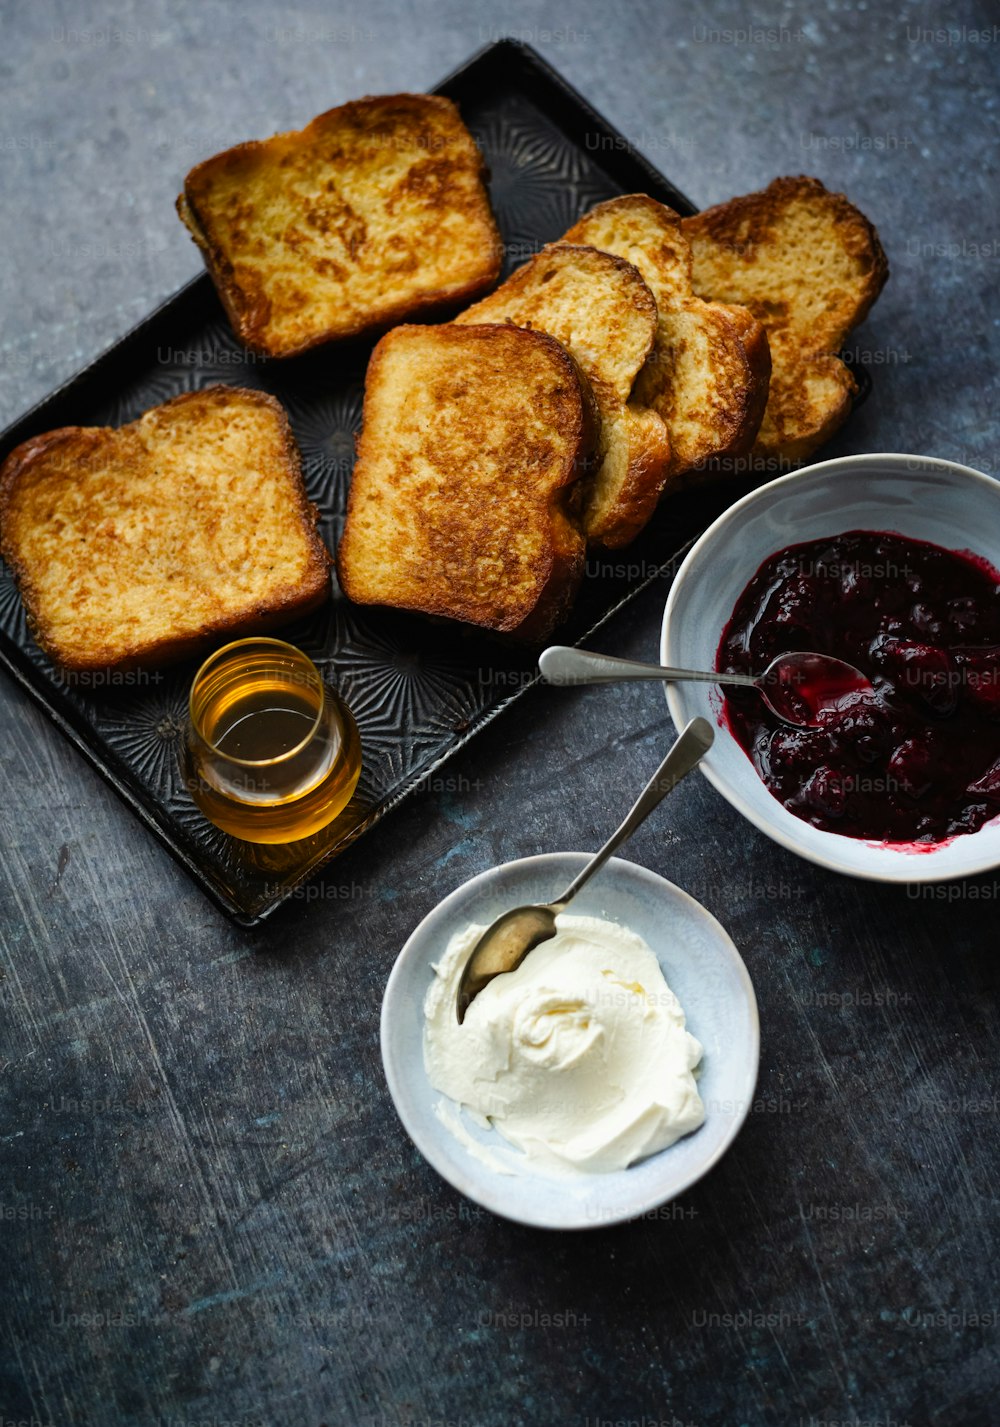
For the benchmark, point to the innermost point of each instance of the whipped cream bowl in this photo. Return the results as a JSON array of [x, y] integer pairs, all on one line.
[[511, 1173], [580, 1056]]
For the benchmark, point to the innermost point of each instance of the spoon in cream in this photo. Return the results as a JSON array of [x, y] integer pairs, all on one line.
[[799, 687], [505, 944]]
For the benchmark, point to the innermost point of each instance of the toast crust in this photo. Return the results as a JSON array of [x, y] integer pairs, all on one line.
[[809, 265], [375, 212], [78, 488], [600, 309], [708, 372], [457, 508], [646, 463]]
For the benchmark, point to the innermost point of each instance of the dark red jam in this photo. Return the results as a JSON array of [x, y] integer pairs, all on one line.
[[918, 758]]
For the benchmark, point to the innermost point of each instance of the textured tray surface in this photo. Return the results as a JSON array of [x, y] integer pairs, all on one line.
[[418, 690]]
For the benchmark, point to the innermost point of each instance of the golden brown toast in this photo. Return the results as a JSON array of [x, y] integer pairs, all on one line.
[[462, 498], [149, 543], [374, 213], [707, 374], [600, 309], [809, 265]]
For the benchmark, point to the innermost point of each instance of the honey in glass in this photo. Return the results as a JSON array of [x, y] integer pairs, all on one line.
[[272, 754]]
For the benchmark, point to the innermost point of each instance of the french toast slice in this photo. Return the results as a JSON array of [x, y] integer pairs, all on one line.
[[601, 310], [809, 266], [375, 212], [146, 544], [707, 375], [462, 501]]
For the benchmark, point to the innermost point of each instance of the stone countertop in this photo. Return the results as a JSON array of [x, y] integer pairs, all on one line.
[[208, 1211]]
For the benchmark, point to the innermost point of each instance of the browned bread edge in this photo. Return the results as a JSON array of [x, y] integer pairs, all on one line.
[[567, 557], [737, 429], [716, 222], [249, 320], [860, 238], [280, 609], [648, 461]]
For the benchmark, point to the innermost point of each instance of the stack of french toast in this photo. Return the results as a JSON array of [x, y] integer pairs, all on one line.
[[640, 353]]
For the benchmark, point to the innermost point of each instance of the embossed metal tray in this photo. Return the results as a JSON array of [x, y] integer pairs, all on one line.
[[419, 691]]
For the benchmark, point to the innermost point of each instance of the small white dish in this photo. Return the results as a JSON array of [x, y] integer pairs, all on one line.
[[947, 504], [701, 965]]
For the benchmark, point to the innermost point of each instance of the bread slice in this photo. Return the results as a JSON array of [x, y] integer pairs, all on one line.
[[809, 265], [600, 309], [462, 498], [374, 213], [149, 543], [707, 374]]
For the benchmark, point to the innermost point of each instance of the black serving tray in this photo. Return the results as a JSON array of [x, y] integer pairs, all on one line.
[[419, 691]]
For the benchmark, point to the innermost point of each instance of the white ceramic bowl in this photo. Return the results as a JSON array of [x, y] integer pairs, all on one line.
[[701, 965], [933, 500]]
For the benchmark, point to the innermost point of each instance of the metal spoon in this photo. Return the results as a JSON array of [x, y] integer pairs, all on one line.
[[505, 944], [799, 687]]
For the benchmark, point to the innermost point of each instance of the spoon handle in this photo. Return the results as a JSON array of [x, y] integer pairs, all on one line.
[[689, 749], [563, 665]]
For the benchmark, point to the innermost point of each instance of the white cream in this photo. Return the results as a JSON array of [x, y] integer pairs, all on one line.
[[580, 1058]]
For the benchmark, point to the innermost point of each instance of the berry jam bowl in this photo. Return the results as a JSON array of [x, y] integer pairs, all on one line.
[[907, 787]]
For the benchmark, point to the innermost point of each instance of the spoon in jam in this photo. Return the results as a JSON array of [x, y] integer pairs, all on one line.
[[505, 944], [800, 688]]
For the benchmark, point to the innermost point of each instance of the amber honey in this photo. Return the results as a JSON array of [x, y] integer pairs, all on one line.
[[273, 755]]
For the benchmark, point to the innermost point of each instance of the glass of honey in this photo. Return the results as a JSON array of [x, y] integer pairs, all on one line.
[[272, 754]]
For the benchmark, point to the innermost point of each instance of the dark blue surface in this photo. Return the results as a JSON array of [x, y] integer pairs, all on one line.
[[209, 1211]]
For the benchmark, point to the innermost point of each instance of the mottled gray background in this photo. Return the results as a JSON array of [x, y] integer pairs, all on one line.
[[208, 1210]]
